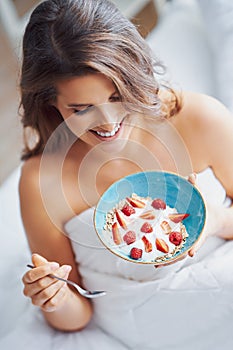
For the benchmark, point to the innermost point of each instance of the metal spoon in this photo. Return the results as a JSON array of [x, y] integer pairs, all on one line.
[[84, 292]]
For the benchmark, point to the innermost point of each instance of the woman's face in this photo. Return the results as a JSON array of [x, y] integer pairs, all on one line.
[[91, 107]]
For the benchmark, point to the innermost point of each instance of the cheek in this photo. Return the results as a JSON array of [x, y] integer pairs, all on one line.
[[77, 127], [80, 129], [79, 124], [89, 139]]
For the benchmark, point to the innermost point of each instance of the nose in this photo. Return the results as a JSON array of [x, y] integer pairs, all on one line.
[[108, 127], [107, 114], [110, 114], [107, 117]]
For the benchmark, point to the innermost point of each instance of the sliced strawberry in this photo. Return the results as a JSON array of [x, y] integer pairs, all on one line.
[[147, 215], [158, 203], [129, 237], [148, 244], [165, 227], [128, 210], [146, 228], [136, 203], [161, 245], [175, 237], [116, 234], [120, 219], [177, 217], [136, 253]]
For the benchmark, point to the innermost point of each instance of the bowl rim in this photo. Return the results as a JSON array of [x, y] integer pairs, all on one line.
[[172, 259]]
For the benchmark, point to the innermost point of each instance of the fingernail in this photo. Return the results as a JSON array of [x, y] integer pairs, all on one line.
[[66, 268], [54, 265], [191, 254]]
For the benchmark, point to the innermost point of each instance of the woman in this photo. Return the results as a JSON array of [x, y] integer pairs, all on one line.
[[90, 95]]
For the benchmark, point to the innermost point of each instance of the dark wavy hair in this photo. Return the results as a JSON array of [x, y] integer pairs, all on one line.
[[66, 38]]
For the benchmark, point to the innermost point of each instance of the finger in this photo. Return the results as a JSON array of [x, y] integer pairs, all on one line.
[[192, 178], [39, 272], [46, 294], [38, 260], [31, 289], [54, 303], [196, 246], [64, 271], [192, 252], [35, 287]]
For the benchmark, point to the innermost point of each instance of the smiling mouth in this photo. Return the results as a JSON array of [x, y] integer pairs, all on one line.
[[107, 134]]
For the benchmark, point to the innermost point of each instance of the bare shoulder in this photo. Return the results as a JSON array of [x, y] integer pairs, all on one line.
[[41, 193], [29, 178], [202, 110], [206, 125], [201, 119], [31, 196]]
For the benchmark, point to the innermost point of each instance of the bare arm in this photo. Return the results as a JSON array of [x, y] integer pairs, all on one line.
[[219, 146], [207, 127], [63, 308]]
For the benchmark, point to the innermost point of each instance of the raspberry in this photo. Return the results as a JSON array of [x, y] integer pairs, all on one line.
[[158, 204], [136, 253], [128, 210], [146, 228], [129, 237], [175, 237]]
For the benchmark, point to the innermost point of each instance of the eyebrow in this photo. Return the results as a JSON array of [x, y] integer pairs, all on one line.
[[76, 105]]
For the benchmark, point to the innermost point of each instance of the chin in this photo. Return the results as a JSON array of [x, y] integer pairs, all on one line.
[[115, 146]]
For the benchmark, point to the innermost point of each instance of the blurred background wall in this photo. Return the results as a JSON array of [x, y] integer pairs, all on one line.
[[10, 132], [12, 13]]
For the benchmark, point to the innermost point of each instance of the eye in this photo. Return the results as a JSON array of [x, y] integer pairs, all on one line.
[[115, 98], [82, 111]]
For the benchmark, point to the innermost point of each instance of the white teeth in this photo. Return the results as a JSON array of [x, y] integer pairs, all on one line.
[[109, 134]]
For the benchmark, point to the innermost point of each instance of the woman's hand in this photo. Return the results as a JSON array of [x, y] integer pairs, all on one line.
[[47, 293], [212, 226]]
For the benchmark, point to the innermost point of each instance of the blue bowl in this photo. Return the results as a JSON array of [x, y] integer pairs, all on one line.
[[175, 190]]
